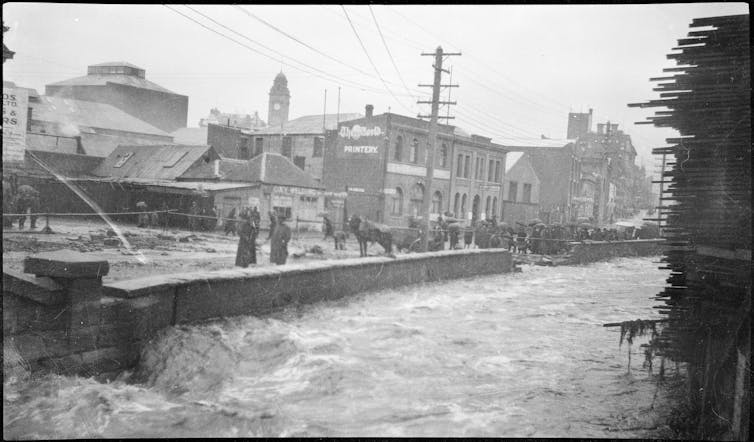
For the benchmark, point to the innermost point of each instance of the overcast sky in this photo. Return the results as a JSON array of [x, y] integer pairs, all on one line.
[[522, 69]]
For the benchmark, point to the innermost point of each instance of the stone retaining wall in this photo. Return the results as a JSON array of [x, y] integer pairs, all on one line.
[[592, 251], [65, 320]]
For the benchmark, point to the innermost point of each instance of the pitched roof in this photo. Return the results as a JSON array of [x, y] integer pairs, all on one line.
[[190, 135], [159, 162], [272, 168], [527, 144], [67, 111], [206, 171], [511, 159], [102, 80], [116, 63], [310, 124], [66, 164]]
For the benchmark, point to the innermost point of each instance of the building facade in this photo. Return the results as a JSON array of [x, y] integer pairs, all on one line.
[[124, 86], [379, 163], [521, 190]]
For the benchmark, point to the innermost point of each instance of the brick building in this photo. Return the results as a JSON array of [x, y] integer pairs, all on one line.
[[124, 86], [378, 162], [521, 191]]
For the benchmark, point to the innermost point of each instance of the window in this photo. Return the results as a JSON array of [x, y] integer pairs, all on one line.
[[463, 206], [444, 155], [258, 146], [300, 162], [476, 169], [436, 202], [491, 173], [456, 200], [122, 160], [282, 211], [417, 199], [413, 153], [488, 208], [318, 147], [494, 206], [497, 171], [512, 191], [527, 193], [243, 149], [481, 168], [287, 146], [459, 171], [467, 166], [397, 208], [398, 151]]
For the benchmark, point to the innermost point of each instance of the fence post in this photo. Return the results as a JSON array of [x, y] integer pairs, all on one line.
[[47, 228]]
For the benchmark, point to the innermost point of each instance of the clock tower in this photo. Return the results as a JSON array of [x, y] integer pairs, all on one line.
[[280, 98]]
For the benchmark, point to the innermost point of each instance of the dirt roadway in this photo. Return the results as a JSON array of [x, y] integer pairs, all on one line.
[[156, 252]]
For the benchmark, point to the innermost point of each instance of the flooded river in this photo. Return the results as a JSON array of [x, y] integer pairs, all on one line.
[[517, 355]]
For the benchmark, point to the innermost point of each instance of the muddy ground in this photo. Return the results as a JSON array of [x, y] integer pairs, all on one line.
[[157, 251]]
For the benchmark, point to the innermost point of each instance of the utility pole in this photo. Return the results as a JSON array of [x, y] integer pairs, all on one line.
[[438, 54]]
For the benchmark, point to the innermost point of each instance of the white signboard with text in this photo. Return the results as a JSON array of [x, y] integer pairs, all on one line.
[[15, 109]]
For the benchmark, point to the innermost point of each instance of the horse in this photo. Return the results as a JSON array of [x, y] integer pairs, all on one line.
[[366, 230]]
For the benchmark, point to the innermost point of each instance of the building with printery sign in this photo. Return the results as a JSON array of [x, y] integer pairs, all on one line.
[[375, 167]]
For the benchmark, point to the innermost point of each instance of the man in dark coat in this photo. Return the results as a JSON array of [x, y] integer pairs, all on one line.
[[279, 242], [7, 203], [230, 222], [247, 239], [193, 220], [328, 227], [27, 198]]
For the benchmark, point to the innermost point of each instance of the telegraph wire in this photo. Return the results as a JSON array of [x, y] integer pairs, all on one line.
[[267, 48], [388, 49], [352, 84], [306, 45], [370, 58]]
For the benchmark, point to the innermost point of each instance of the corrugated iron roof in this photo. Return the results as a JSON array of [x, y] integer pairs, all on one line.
[[206, 171], [309, 124], [102, 80], [272, 168], [162, 162], [67, 111]]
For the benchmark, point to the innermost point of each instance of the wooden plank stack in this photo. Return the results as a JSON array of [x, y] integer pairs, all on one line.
[[708, 226]]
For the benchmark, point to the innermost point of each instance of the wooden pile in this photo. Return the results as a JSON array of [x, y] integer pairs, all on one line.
[[708, 225]]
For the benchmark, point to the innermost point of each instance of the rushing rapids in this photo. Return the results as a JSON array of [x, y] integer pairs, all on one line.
[[513, 355]]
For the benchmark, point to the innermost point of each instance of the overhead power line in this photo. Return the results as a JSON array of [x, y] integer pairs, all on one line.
[[333, 79], [302, 43], [382, 37], [370, 58]]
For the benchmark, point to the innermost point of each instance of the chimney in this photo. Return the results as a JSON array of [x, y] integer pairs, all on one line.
[[369, 110], [217, 168], [601, 128], [614, 128]]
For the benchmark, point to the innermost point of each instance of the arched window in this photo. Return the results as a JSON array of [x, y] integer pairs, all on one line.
[[413, 153], [463, 206], [494, 206], [436, 202], [456, 201], [444, 155], [417, 198], [397, 209], [487, 208], [398, 151]]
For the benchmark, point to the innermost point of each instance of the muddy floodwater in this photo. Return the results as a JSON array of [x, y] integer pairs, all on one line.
[[511, 355]]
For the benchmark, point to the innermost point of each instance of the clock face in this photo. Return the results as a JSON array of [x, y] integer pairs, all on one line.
[[276, 106]]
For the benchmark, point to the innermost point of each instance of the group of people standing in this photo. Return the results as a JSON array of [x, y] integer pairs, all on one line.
[[248, 225]]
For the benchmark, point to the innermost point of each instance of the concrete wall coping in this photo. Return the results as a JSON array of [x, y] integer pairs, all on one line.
[[153, 284], [66, 264]]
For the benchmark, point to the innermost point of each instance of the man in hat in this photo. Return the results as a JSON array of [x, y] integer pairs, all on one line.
[[247, 241], [143, 217], [279, 242], [27, 198]]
